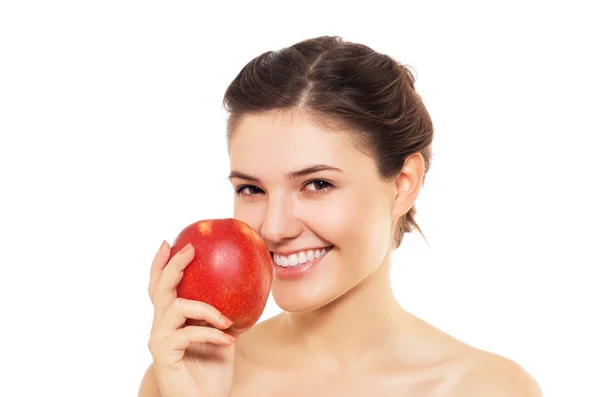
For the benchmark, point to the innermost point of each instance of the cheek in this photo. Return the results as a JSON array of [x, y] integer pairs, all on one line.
[[251, 213], [350, 219], [328, 217], [359, 224]]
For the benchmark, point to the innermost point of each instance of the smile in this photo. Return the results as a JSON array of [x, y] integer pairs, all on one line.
[[299, 258]]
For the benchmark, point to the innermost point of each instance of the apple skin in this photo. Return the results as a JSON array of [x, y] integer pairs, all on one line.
[[231, 270]]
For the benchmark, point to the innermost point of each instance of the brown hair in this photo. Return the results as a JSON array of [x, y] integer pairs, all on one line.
[[341, 85]]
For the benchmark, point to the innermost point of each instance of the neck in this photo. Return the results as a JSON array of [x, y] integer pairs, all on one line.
[[353, 325]]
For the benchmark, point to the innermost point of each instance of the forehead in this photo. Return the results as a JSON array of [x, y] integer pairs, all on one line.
[[285, 142]]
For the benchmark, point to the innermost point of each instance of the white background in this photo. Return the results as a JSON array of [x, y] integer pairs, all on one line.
[[112, 139]]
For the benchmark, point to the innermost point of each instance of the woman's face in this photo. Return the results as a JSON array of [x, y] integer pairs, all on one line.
[[307, 190]]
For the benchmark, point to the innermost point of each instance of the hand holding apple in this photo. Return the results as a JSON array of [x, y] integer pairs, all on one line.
[[231, 269]]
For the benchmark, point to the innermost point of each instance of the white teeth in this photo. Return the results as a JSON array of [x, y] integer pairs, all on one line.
[[283, 261], [298, 258]]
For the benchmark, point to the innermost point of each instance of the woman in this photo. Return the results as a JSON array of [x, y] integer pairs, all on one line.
[[329, 145]]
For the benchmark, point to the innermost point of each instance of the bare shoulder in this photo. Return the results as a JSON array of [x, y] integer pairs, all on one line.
[[256, 342], [491, 375], [473, 372]]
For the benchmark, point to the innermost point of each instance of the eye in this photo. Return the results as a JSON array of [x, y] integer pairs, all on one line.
[[247, 190], [318, 186]]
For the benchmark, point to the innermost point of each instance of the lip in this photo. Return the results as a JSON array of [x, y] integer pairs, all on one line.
[[287, 273]]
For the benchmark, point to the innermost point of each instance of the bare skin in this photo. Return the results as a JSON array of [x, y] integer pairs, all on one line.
[[387, 352], [342, 331]]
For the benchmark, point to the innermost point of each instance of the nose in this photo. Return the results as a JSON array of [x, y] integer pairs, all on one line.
[[280, 222]]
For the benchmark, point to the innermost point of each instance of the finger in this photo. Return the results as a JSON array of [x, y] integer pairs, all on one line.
[[158, 264], [166, 288], [173, 346], [182, 339], [182, 309]]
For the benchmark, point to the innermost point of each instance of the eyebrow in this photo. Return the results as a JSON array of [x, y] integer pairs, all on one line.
[[290, 175]]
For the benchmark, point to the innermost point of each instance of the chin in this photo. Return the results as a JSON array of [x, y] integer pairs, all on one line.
[[303, 298], [323, 284], [294, 305]]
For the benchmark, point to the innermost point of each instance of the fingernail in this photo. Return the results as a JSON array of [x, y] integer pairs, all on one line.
[[229, 337], [163, 245], [185, 249], [226, 321]]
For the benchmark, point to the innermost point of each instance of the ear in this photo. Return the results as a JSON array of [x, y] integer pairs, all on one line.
[[407, 184]]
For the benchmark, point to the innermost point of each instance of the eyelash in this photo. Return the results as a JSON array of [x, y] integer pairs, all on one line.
[[240, 189]]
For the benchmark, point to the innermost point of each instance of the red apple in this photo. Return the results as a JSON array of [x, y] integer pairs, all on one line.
[[231, 270]]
